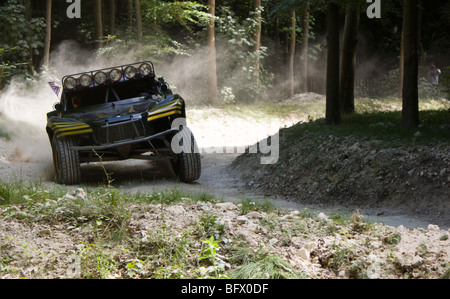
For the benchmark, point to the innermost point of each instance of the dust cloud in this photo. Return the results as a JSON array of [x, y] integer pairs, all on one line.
[[23, 111], [24, 103]]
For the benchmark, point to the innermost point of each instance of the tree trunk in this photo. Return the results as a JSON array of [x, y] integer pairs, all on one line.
[[48, 33], [138, 21], [278, 50], [28, 10], [98, 24], [212, 78], [257, 38], [332, 115], [112, 17], [400, 68], [28, 17], [292, 55], [130, 15], [304, 50], [1, 78], [347, 95], [410, 104]]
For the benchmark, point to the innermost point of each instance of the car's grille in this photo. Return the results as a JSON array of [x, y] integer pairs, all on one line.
[[120, 131]]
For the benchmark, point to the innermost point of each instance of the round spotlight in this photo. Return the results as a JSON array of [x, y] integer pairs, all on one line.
[[145, 69], [130, 72], [85, 80], [70, 83], [100, 78], [115, 75]]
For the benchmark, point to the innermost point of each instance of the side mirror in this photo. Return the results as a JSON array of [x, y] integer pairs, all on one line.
[[58, 107], [163, 84]]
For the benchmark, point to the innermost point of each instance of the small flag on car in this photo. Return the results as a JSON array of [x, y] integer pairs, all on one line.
[[55, 87]]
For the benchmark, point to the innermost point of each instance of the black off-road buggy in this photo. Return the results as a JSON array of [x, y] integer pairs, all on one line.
[[118, 113]]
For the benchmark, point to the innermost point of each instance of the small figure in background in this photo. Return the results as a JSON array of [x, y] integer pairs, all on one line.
[[433, 74]]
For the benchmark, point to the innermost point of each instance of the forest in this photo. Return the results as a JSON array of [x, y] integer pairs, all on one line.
[[353, 97], [244, 51]]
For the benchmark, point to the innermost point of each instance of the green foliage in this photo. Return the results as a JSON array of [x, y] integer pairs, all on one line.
[[209, 252], [96, 263], [265, 267], [227, 95], [446, 275], [188, 14], [248, 205], [158, 17], [16, 32], [18, 192], [4, 133], [172, 196], [282, 8], [446, 81], [234, 41], [5, 65], [393, 239], [210, 226], [388, 86], [380, 119], [155, 46]]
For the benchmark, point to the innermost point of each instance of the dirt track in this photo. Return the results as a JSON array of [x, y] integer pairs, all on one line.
[[213, 129], [27, 157]]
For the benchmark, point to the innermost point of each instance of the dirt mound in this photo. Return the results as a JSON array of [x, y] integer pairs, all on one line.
[[355, 173], [304, 99]]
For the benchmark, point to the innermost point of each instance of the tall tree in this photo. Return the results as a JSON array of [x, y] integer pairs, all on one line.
[[400, 69], [112, 17], [28, 17], [410, 97], [276, 58], [98, 23], [291, 54], [257, 38], [48, 33], [304, 48], [332, 113], [350, 39], [210, 35], [130, 15], [138, 20]]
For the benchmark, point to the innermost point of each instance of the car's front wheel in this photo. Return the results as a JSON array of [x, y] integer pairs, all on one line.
[[187, 165], [66, 161]]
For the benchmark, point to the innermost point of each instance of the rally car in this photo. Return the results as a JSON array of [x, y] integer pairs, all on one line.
[[117, 113]]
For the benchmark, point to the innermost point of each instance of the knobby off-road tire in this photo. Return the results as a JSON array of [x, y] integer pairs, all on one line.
[[187, 166], [66, 161]]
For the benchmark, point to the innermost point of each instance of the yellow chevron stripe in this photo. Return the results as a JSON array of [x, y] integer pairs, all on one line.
[[175, 102], [66, 123], [164, 114], [72, 128], [73, 133], [165, 108], [178, 107]]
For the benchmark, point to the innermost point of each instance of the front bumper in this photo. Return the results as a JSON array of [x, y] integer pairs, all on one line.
[[125, 142]]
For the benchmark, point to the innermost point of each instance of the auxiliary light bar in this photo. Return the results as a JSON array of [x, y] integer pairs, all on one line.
[[111, 75]]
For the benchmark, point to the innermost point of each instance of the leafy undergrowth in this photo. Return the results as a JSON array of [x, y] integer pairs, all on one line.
[[101, 233]]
